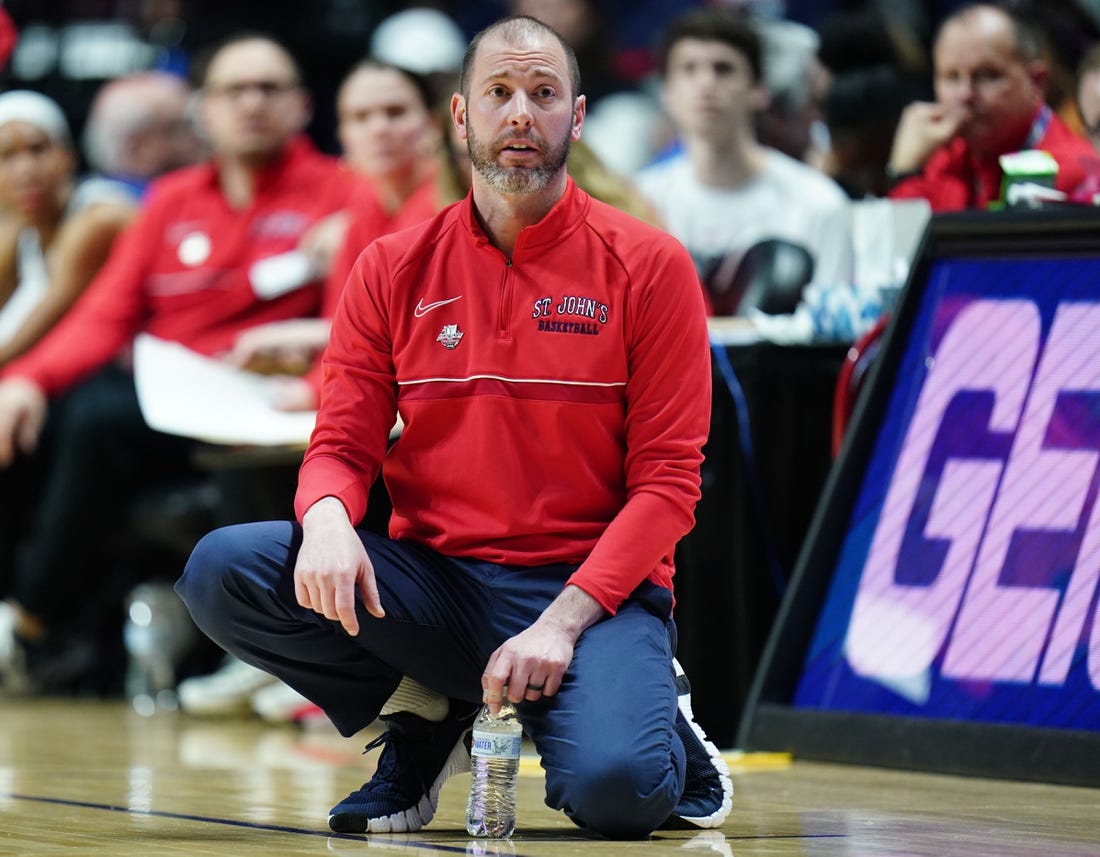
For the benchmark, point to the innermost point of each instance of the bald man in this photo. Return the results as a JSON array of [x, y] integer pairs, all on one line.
[[990, 80], [139, 126]]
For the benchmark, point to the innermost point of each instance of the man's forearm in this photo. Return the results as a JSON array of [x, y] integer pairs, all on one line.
[[573, 612]]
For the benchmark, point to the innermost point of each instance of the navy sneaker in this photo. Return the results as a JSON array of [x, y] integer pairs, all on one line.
[[708, 789], [417, 758]]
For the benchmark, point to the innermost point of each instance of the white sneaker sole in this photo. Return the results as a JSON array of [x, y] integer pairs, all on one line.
[[715, 819], [415, 817]]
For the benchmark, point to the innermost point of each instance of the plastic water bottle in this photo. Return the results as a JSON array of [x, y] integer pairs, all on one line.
[[494, 764]]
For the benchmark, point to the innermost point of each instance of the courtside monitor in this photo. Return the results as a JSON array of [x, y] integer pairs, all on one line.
[[943, 613]]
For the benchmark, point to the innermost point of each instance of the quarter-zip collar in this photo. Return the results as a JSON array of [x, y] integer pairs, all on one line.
[[560, 221]]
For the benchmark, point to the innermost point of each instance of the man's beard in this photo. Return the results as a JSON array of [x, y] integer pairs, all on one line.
[[516, 179]]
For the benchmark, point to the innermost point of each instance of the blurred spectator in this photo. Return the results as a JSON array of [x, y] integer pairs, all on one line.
[[1088, 95], [55, 236], [205, 259], [726, 193], [990, 80], [389, 133], [139, 127]]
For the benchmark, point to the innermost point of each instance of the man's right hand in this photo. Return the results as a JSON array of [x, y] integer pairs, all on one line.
[[923, 127], [22, 414], [332, 565]]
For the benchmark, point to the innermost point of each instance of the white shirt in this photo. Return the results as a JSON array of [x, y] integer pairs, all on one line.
[[787, 200]]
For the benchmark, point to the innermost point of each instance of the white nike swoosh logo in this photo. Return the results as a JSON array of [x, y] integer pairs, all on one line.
[[422, 309]]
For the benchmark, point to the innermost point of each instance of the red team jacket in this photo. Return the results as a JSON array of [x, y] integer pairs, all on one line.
[[555, 404], [181, 270], [953, 180]]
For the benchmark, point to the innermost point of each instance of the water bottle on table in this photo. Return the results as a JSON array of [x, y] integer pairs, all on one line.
[[494, 764]]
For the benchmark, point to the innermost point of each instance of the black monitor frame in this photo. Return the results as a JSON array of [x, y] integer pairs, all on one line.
[[770, 721]]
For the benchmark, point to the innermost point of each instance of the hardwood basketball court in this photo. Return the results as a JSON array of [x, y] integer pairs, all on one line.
[[82, 777]]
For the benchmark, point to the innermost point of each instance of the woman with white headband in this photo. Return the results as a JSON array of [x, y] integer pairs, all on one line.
[[52, 239]]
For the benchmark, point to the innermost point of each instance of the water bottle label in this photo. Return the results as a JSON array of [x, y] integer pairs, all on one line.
[[492, 745]]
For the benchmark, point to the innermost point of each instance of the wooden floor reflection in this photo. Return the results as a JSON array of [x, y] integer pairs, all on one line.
[[89, 778]]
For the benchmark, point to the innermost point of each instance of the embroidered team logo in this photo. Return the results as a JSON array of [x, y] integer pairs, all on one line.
[[573, 314], [449, 336]]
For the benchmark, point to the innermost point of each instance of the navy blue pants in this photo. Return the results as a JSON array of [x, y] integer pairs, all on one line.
[[613, 761]]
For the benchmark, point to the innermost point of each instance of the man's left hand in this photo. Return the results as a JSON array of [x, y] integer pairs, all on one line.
[[531, 664], [528, 666]]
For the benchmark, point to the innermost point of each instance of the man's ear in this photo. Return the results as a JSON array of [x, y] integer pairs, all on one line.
[[458, 115], [580, 106]]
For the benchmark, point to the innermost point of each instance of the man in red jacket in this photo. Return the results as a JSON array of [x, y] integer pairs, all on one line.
[[990, 78], [548, 355], [185, 270]]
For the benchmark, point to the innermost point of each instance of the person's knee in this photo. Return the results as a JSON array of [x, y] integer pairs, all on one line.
[[620, 798], [217, 572], [200, 581]]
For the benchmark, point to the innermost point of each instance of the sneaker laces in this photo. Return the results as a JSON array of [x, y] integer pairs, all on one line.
[[403, 793], [388, 762], [377, 742]]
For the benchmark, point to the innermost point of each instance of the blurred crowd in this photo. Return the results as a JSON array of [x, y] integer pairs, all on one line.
[[209, 174]]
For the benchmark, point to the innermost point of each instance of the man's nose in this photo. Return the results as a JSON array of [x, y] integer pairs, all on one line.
[[963, 89], [520, 110], [708, 77]]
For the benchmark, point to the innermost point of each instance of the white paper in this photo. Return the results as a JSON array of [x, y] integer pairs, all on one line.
[[276, 276], [184, 393]]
